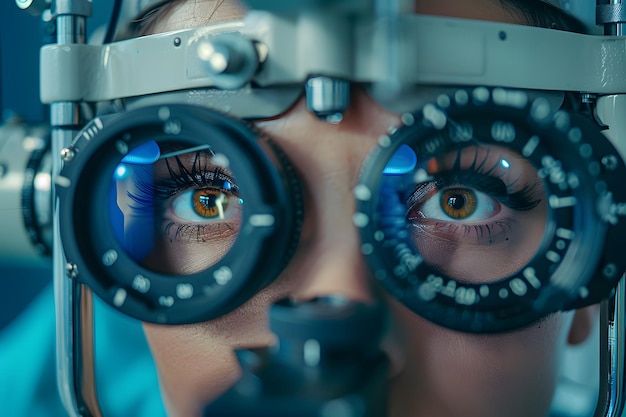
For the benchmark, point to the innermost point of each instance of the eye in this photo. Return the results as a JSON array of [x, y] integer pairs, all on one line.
[[202, 204], [457, 203]]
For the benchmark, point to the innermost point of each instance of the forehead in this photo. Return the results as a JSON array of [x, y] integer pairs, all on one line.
[[191, 13]]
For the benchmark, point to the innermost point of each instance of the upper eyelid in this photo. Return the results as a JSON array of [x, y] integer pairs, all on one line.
[[196, 175], [168, 187], [523, 199], [473, 175]]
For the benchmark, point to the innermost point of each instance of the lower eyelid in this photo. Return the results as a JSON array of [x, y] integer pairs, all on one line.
[[466, 233], [201, 232]]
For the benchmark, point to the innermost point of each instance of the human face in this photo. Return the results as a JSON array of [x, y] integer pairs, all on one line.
[[434, 371]]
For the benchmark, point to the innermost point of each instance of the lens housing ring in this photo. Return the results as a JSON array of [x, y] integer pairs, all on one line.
[[569, 269], [270, 224]]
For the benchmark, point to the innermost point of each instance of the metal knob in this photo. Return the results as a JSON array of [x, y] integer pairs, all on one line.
[[34, 7], [230, 59]]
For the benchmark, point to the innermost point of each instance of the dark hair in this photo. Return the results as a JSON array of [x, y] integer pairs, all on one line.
[[542, 14], [537, 13], [145, 23]]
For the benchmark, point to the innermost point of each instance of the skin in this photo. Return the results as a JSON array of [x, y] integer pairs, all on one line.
[[513, 237], [435, 371]]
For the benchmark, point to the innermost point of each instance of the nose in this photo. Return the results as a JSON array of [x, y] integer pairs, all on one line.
[[328, 159]]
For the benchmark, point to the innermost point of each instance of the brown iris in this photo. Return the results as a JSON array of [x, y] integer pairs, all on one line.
[[210, 204], [458, 203]]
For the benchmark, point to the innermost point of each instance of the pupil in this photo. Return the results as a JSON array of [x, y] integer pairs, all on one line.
[[456, 202]]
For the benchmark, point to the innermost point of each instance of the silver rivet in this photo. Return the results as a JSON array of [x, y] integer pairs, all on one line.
[[67, 154], [72, 270]]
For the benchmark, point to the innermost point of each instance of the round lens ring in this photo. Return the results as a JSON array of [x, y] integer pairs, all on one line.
[[175, 214], [506, 214]]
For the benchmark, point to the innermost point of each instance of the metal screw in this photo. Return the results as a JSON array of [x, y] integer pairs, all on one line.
[[72, 270], [67, 154]]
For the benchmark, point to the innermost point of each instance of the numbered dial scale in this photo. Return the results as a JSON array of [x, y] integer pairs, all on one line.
[[487, 210]]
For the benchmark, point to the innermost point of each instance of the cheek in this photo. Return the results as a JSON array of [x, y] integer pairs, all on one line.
[[192, 370], [196, 363], [454, 374]]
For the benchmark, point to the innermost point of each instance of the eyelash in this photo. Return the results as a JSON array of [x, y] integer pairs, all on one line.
[[157, 194], [477, 176], [481, 178], [198, 177]]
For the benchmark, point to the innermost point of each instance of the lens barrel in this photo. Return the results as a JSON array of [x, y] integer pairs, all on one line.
[[508, 211]]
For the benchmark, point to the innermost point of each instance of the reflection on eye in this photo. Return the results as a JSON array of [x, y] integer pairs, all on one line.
[[458, 204], [199, 205]]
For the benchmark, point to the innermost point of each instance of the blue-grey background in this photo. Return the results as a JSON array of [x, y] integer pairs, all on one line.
[[21, 37]]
